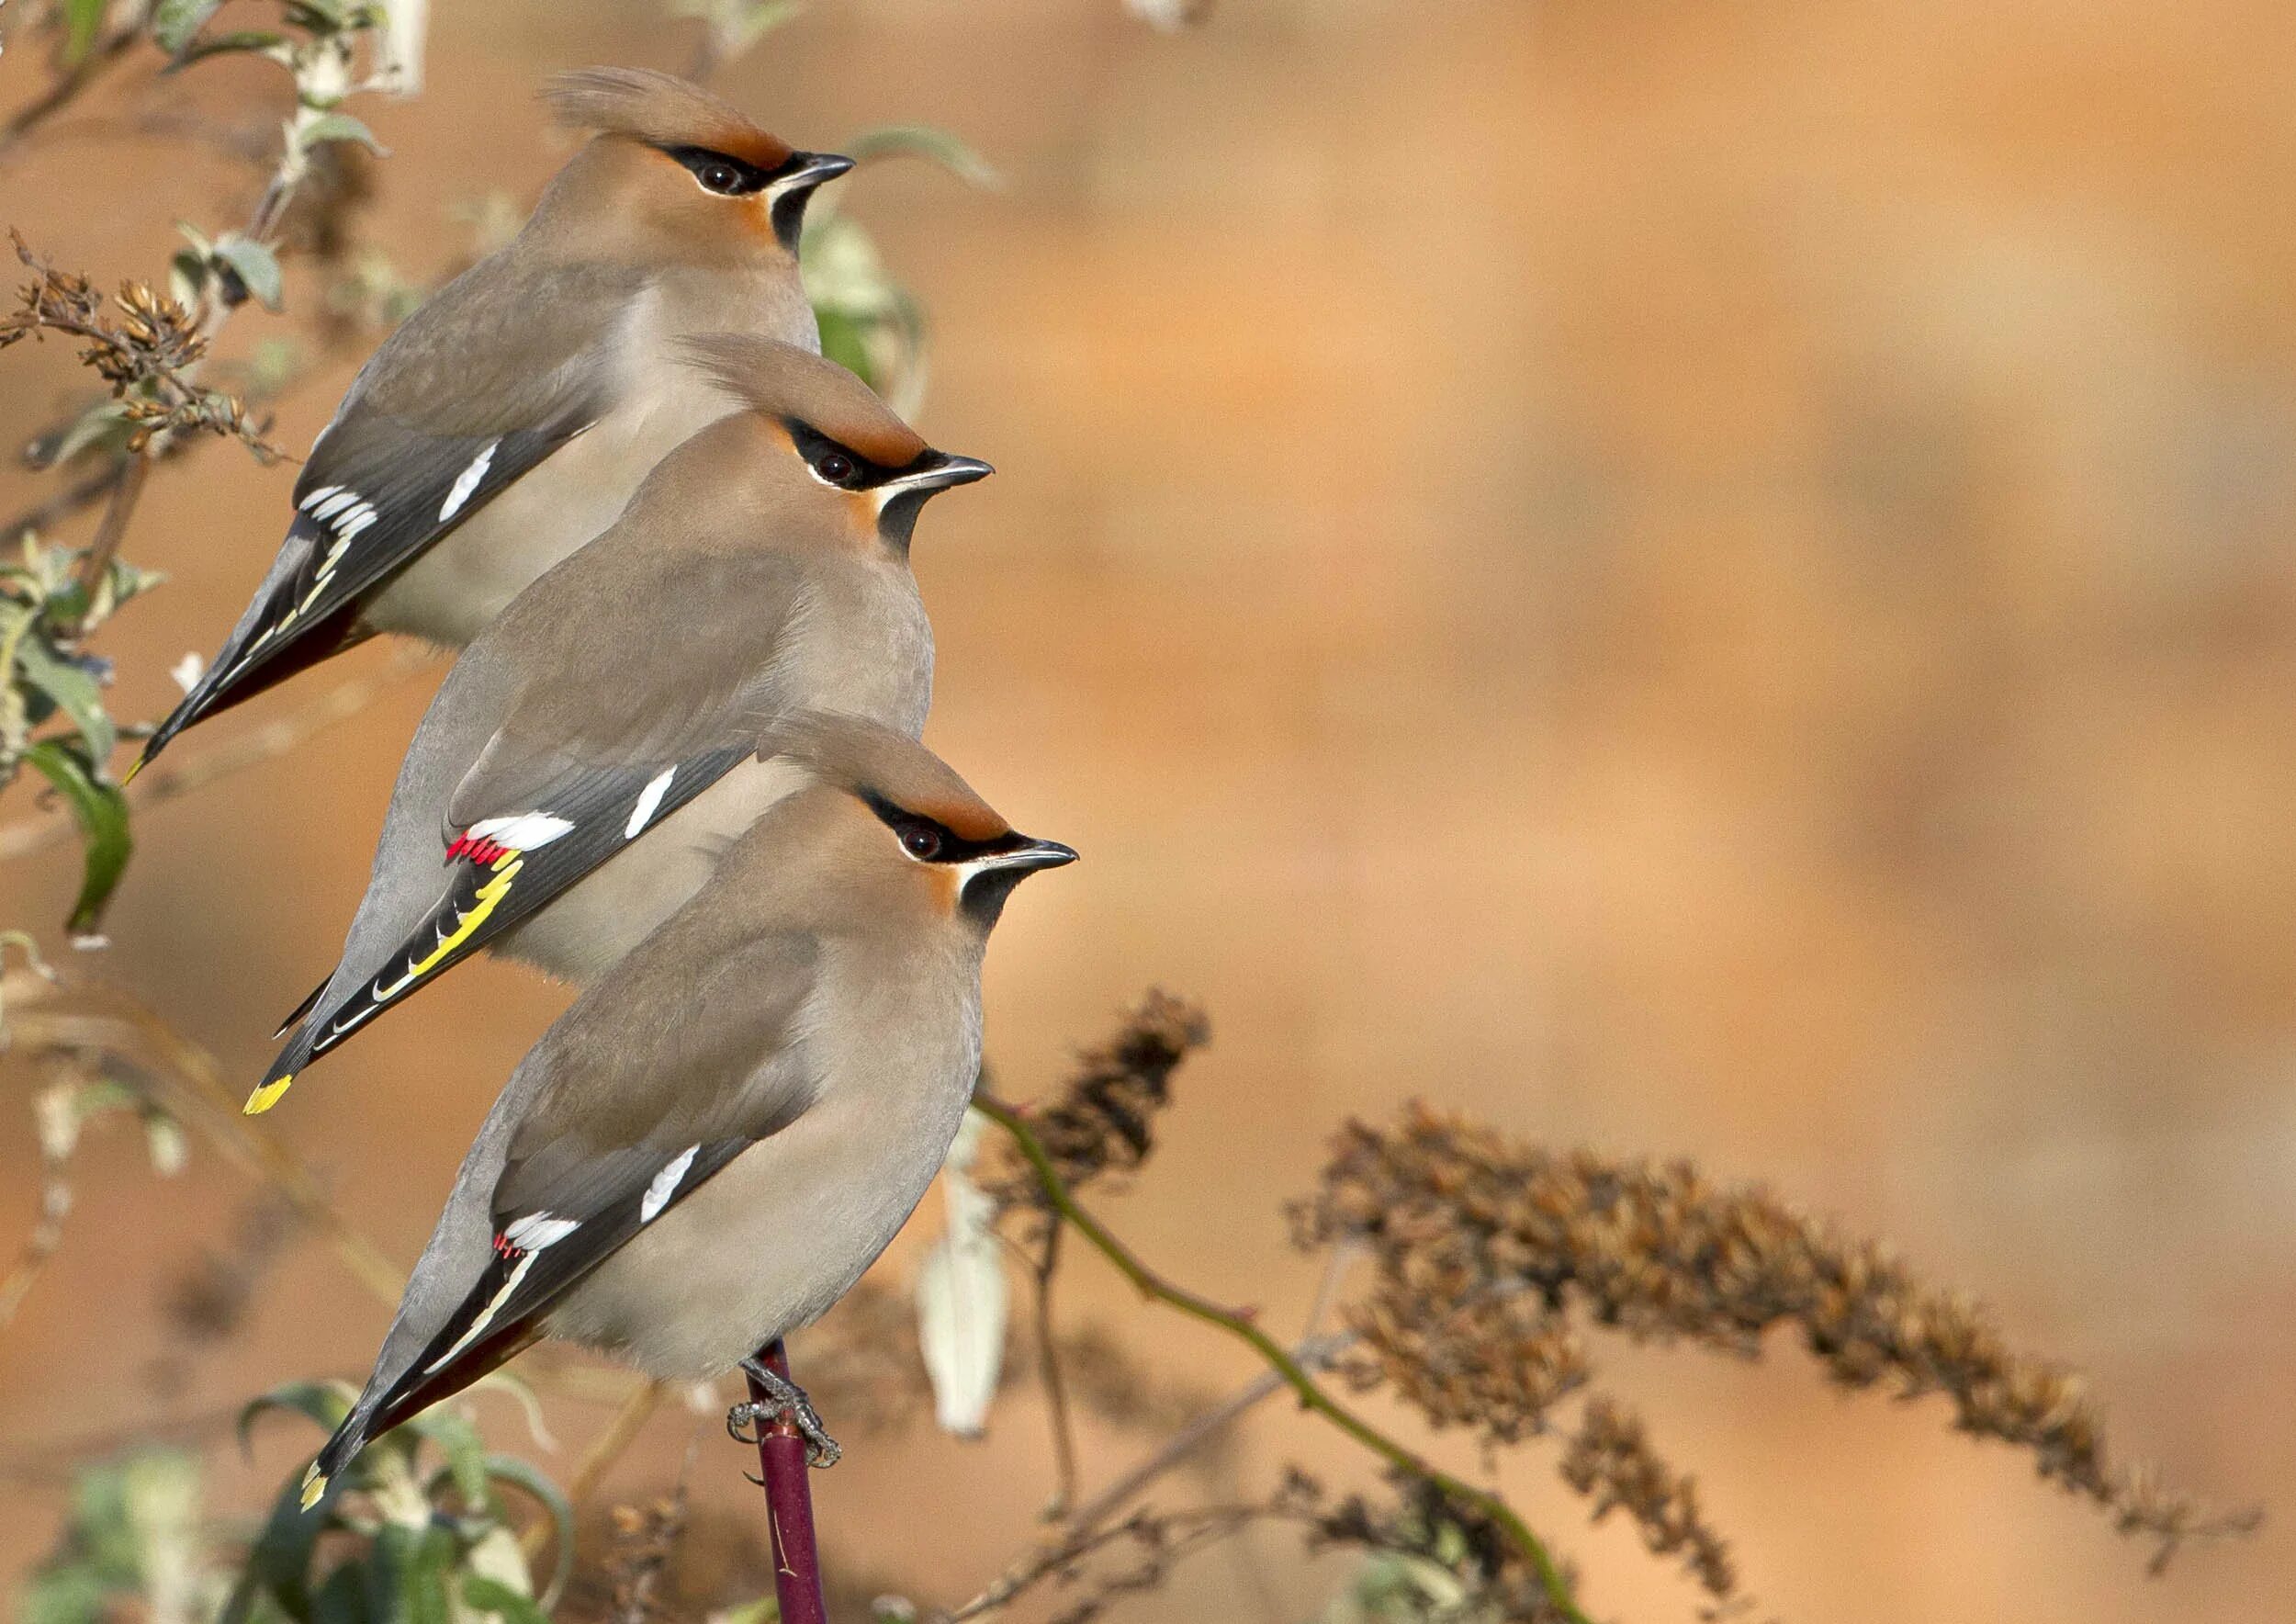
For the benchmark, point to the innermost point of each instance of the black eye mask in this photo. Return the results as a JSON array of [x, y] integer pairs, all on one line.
[[720, 172]]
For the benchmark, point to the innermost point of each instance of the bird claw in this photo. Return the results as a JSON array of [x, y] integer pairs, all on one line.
[[786, 1401]]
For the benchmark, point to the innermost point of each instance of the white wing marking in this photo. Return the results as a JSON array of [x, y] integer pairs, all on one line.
[[486, 1316], [665, 1184], [649, 803], [521, 832], [537, 1230], [468, 482]]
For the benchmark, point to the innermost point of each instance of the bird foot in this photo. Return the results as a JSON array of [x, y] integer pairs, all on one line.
[[784, 1401]]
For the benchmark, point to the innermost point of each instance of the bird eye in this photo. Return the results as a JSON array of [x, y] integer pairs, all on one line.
[[921, 842], [834, 467], [723, 178]]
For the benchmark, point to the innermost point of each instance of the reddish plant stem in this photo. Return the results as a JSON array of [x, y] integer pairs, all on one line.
[[789, 1505]]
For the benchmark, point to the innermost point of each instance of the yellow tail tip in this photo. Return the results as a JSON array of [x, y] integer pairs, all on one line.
[[264, 1097], [314, 1486], [134, 768]]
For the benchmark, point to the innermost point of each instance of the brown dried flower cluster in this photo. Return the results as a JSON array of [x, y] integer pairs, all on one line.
[[645, 1539], [1458, 1218], [1424, 1525], [1496, 1361], [1103, 1117], [1609, 1459], [1482, 1575], [142, 343]]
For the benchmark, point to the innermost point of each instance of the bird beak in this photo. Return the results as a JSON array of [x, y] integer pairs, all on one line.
[[989, 878], [805, 171], [937, 471], [1027, 854]]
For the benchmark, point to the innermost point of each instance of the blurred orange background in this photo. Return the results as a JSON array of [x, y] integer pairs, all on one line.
[[1700, 579]]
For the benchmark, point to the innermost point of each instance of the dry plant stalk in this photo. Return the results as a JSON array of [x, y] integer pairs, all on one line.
[[1455, 1214], [1092, 1568], [142, 348], [1102, 1119]]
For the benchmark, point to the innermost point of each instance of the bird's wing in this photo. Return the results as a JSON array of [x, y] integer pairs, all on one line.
[[465, 398], [682, 649], [579, 768], [638, 1105]]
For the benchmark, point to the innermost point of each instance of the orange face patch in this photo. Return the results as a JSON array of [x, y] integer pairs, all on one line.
[[742, 140], [968, 820], [946, 888]]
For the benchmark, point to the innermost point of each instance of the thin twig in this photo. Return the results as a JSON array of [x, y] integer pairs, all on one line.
[[637, 1410], [1280, 1359], [97, 561], [1314, 1354], [1169, 1535], [193, 1081], [253, 748], [55, 1196], [1055, 1386], [56, 1460], [69, 501], [68, 86], [1313, 1351], [621, 1433]]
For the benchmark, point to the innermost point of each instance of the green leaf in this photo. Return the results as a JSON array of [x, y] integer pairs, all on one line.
[[846, 340], [515, 1386], [325, 1404], [492, 1596], [319, 17], [330, 127], [406, 1577], [341, 1597], [509, 1469], [464, 1451], [922, 141], [260, 41], [64, 1595], [103, 1527], [279, 1562], [102, 424], [82, 20], [102, 812], [257, 267], [71, 689], [187, 276], [173, 22], [744, 30]]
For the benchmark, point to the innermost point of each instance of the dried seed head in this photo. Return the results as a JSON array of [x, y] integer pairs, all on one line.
[[1103, 1117], [1609, 1459], [1461, 1220], [1495, 1583]]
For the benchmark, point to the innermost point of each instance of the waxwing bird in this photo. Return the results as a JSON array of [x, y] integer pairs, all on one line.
[[591, 755], [717, 1138], [508, 420]]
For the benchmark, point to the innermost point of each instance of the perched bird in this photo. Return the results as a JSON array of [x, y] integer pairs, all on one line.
[[591, 753], [508, 420], [714, 1143]]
